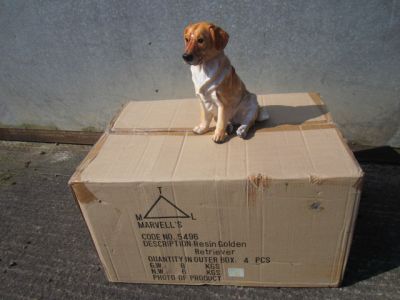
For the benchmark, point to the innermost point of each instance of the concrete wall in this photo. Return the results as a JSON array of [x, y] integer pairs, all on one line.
[[70, 64]]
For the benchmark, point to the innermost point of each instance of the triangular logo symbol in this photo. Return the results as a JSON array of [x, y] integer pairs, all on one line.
[[162, 208]]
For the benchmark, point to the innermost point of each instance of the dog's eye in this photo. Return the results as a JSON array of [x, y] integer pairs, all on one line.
[[187, 40], [200, 41]]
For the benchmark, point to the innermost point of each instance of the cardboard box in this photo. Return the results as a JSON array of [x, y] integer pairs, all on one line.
[[166, 206]]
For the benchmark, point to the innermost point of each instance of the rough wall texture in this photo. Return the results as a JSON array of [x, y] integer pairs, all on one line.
[[70, 64]]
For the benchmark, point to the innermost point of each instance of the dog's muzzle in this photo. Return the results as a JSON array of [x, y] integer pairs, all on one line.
[[187, 57]]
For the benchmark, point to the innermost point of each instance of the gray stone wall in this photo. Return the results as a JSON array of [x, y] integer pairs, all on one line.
[[70, 64]]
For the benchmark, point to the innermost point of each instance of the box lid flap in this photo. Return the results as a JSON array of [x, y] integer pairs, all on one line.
[[182, 115], [312, 154], [152, 141]]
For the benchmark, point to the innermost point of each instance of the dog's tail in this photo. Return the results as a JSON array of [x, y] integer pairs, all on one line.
[[262, 114]]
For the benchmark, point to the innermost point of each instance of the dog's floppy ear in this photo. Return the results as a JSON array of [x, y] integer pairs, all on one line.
[[219, 37]]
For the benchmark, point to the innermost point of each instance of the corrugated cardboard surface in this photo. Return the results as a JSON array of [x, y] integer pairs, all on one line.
[[166, 206], [182, 115]]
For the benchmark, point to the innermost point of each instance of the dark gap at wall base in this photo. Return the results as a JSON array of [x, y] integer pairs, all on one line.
[[378, 155], [49, 136]]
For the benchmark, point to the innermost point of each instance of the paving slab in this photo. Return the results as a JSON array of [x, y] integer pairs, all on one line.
[[46, 251]]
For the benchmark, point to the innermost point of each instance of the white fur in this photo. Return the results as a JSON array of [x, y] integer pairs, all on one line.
[[207, 77]]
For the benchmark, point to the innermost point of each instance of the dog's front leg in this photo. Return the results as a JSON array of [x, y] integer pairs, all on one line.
[[205, 120], [222, 122]]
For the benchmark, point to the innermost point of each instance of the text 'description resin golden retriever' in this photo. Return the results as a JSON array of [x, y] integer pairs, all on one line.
[[223, 96]]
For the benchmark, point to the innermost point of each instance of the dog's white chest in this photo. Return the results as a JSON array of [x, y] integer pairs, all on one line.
[[201, 80], [207, 77]]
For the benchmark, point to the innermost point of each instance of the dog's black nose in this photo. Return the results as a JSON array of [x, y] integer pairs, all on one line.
[[187, 57]]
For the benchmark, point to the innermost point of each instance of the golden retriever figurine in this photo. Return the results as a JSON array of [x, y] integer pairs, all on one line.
[[223, 96]]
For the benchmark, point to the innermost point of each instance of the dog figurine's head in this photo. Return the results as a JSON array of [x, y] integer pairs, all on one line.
[[203, 41]]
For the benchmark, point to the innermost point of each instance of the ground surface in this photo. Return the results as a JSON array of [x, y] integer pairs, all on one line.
[[46, 251]]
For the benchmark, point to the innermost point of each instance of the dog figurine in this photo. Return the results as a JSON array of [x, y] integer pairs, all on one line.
[[223, 96]]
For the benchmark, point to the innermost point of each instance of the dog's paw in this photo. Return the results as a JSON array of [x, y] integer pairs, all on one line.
[[229, 128], [219, 137], [200, 129], [242, 131]]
